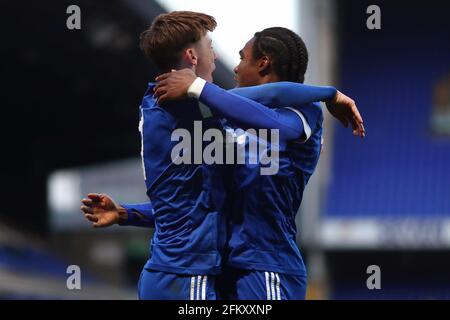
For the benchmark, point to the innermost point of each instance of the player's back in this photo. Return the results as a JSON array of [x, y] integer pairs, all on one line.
[[186, 198]]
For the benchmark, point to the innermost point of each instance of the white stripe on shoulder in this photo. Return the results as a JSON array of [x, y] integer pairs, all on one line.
[[306, 127], [141, 131], [267, 285]]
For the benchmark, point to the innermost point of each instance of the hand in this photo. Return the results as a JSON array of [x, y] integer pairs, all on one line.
[[344, 109], [174, 85], [102, 210]]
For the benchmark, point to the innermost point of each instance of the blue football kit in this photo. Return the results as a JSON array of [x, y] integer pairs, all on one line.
[[255, 234], [262, 257]]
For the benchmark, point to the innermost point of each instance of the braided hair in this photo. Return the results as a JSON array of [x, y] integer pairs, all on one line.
[[287, 51]]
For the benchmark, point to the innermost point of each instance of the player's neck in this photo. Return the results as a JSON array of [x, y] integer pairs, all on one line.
[[179, 66], [269, 78]]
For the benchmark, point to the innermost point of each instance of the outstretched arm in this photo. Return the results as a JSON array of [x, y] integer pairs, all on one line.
[[300, 96], [175, 85], [250, 114]]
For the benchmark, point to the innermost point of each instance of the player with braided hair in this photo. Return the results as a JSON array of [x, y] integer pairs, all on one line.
[[261, 256], [287, 51], [263, 260]]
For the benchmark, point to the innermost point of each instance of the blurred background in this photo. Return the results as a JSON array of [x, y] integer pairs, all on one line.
[[382, 201]]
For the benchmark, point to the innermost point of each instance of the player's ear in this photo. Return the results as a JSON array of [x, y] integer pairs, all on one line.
[[190, 56], [264, 65]]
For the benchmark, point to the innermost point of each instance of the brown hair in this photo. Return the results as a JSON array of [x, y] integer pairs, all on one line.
[[170, 33]]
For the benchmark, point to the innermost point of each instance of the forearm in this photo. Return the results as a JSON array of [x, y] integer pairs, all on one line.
[[138, 215]]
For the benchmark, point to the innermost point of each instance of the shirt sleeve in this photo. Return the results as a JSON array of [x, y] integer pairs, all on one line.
[[286, 94], [139, 215], [311, 115], [298, 98], [250, 114]]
